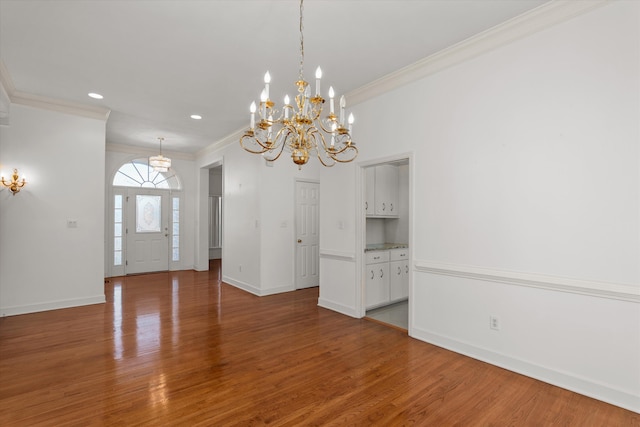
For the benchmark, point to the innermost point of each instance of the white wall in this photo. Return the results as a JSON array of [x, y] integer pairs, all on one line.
[[526, 204], [44, 264], [258, 252]]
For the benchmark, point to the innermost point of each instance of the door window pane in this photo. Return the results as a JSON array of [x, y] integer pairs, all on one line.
[[175, 228], [138, 173], [117, 229], [148, 209]]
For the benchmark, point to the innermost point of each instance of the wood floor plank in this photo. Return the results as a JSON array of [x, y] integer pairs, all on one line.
[[182, 348]]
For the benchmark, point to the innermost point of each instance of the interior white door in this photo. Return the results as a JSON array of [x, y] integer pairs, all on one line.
[[307, 234], [147, 231]]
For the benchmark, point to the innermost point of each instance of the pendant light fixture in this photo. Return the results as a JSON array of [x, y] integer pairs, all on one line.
[[301, 129]]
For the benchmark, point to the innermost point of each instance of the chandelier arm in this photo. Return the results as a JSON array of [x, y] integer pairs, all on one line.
[[253, 139], [337, 151], [349, 159], [322, 161], [321, 148], [329, 131], [283, 131]]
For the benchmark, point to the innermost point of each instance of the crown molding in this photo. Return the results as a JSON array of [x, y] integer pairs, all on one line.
[[145, 152], [533, 21], [30, 100], [221, 143]]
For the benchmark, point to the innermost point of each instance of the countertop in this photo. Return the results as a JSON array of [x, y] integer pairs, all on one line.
[[385, 246]]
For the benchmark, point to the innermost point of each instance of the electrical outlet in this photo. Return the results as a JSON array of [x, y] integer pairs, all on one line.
[[494, 323]]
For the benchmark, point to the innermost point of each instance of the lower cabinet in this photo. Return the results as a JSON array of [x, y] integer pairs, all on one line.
[[377, 282], [387, 278], [398, 280]]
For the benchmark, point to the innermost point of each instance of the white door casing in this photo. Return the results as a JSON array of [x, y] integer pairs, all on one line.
[[147, 231], [307, 234]]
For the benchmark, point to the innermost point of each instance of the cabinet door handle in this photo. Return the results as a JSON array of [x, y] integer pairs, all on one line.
[[371, 274], [391, 207], [406, 269], [381, 273], [384, 206], [399, 270], [366, 206]]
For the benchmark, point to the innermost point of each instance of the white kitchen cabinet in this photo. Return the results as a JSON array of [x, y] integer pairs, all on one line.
[[377, 279], [370, 183], [381, 191], [386, 190], [398, 274]]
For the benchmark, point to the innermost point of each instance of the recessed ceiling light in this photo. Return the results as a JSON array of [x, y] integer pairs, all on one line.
[[196, 117], [95, 95]]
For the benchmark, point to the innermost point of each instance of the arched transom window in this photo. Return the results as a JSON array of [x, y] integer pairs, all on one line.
[[138, 173]]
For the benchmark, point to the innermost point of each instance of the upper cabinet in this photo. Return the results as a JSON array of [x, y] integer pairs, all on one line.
[[381, 196]]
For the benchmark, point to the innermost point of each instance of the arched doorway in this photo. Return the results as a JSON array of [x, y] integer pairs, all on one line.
[[145, 223]]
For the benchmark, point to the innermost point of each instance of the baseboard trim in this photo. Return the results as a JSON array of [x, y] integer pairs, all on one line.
[[241, 285], [255, 290], [342, 309], [560, 379], [51, 305]]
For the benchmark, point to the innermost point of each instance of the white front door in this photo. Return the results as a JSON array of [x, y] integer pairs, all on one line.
[[147, 231], [307, 234]]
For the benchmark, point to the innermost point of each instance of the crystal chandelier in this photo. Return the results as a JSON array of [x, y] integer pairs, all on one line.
[[300, 128], [160, 163]]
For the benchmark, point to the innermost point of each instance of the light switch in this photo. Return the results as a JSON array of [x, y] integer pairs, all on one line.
[[72, 223]]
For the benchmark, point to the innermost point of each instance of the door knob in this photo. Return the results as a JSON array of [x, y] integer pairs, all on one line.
[[299, 240]]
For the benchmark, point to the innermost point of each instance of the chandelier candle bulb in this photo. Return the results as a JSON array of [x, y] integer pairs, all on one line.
[[331, 95], [263, 103], [267, 80], [252, 108], [286, 105], [318, 77], [343, 104], [351, 120]]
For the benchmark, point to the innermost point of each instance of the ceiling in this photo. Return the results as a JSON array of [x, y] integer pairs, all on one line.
[[159, 61]]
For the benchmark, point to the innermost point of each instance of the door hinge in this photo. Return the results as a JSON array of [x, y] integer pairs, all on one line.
[[126, 231], [126, 262], [127, 198]]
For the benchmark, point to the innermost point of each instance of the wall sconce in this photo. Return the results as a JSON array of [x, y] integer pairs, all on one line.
[[15, 184]]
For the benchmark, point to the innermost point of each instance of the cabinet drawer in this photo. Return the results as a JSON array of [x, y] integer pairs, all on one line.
[[374, 257], [399, 254]]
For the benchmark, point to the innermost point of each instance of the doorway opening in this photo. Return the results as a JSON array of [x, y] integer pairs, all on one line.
[[215, 215], [386, 238]]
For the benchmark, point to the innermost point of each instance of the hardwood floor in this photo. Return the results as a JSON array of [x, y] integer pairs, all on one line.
[[185, 349]]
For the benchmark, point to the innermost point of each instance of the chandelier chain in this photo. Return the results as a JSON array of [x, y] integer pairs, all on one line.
[[301, 42]]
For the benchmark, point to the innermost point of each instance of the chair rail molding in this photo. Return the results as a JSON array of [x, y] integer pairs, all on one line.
[[623, 292]]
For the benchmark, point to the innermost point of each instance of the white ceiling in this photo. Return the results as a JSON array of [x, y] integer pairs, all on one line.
[[158, 61]]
